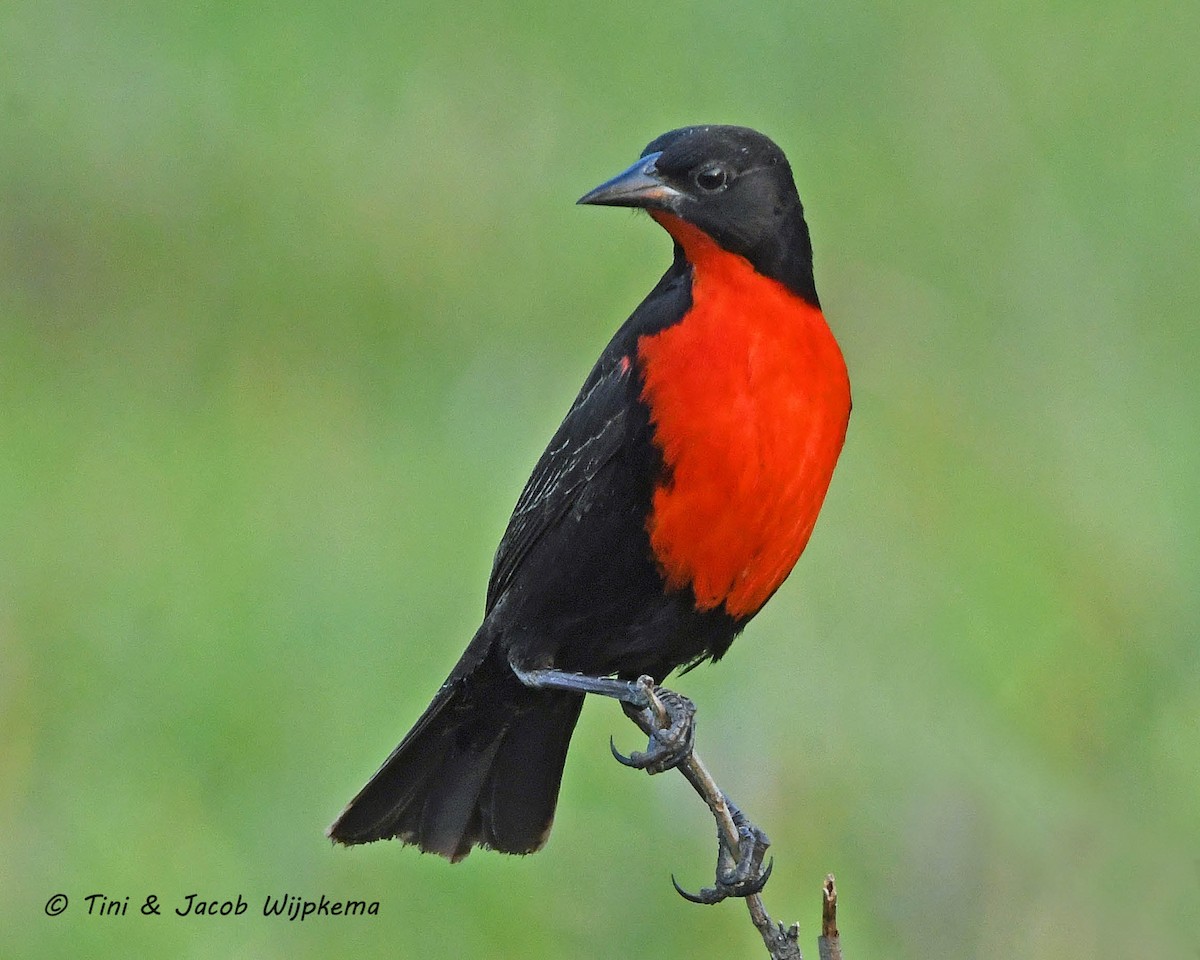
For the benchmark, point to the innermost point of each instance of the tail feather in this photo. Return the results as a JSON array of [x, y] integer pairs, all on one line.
[[481, 767], [523, 786], [449, 814]]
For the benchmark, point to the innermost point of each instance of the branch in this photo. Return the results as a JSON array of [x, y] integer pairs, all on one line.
[[829, 943], [781, 943]]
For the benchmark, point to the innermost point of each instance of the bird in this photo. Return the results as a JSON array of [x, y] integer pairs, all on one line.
[[669, 506]]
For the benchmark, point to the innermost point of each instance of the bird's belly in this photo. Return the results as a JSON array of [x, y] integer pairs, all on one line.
[[749, 402]]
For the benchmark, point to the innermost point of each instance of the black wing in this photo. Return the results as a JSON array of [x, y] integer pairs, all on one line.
[[605, 419], [595, 429]]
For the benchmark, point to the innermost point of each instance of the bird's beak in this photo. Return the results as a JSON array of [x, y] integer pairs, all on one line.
[[639, 186]]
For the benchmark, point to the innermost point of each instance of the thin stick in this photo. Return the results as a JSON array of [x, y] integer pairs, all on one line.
[[829, 943]]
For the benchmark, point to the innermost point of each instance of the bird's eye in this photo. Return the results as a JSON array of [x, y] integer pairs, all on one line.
[[711, 179]]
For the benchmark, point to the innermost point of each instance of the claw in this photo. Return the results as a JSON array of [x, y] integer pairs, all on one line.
[[743, 888], [620, 757], [707, 896]]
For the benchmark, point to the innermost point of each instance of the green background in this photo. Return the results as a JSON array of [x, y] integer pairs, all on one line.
[[291, 297]]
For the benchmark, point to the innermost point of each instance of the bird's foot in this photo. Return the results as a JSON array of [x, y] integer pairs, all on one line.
[[740, 872], [669, 718]]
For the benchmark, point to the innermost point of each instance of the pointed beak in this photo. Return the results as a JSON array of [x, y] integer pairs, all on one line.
[[639, 186]]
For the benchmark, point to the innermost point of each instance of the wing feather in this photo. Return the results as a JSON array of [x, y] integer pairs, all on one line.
[[595, 429]]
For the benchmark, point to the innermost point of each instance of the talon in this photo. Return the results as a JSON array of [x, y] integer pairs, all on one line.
[[620, 757], [707, 896]]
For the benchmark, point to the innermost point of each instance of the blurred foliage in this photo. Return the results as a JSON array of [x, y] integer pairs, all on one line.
[[291, 297]]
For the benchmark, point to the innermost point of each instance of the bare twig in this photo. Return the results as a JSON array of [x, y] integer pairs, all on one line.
[[829, 943]]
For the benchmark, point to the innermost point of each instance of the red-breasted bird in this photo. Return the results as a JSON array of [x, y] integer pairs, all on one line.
[[669, 506]]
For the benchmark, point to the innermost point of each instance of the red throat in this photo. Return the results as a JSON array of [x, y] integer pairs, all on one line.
[[749, 400]]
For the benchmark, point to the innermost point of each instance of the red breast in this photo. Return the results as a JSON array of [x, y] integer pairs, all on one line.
[[749, 399]]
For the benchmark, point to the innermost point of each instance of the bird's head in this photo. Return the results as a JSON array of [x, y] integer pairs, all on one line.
[[731, 183]]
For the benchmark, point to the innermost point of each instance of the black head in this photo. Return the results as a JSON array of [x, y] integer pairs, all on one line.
[[735, 185]]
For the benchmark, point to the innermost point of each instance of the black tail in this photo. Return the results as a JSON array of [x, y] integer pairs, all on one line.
[[481, 767]]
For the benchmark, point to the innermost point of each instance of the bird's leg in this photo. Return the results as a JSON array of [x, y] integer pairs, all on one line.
[[628, 692], [668, 719], [666, 716], [741, 846]]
